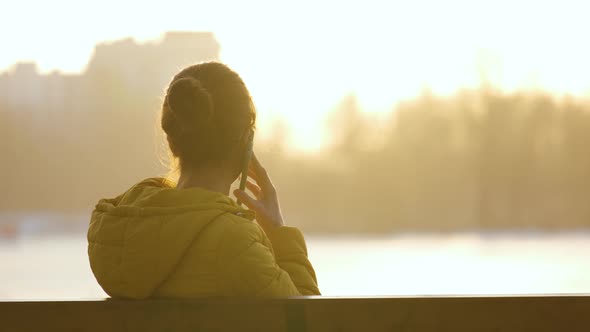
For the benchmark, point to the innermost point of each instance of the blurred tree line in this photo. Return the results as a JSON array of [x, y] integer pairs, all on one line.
[[480, 159]]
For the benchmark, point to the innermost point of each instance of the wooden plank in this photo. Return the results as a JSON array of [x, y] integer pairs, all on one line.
[[304, 314], [150, 315], [562, 313]]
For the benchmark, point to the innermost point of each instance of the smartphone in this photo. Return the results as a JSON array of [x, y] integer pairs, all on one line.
[[246, 163]]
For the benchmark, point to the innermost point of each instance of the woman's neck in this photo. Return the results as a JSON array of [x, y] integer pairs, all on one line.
[[212, 179]]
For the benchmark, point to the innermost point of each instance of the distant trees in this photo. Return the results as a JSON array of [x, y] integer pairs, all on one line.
[[477, 159]]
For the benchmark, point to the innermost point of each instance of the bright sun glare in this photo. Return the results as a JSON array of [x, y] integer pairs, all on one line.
[[300, 58]]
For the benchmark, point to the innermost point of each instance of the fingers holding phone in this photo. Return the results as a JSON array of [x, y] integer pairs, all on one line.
[[264, 200]]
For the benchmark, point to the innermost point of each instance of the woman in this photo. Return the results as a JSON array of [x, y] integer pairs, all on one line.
[[190, 239]]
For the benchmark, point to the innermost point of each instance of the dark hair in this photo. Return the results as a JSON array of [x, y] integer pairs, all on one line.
[[207, 113]]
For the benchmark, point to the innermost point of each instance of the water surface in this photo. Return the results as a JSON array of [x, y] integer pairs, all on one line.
[[56, 266]]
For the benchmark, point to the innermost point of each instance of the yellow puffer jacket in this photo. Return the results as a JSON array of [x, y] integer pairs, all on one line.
[[159, 241]]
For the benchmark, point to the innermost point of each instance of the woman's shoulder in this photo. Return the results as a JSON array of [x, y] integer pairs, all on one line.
[[238, 233], [235, 225]]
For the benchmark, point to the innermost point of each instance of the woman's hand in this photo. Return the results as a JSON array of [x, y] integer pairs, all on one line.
[[265, 201]]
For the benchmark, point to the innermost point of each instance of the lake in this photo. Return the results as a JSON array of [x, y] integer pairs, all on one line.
[[56, 266]]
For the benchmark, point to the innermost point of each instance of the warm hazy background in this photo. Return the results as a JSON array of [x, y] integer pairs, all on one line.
[[424, 147], [374, 116]]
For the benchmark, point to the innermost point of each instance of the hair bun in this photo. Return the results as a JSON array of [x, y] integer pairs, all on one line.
[[205, 111], [190, 102]]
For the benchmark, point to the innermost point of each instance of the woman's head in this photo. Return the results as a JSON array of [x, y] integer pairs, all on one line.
[[207, 115]]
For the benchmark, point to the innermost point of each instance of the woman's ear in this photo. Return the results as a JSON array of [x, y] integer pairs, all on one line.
[[233, 163], [241, 151], [246, 137]]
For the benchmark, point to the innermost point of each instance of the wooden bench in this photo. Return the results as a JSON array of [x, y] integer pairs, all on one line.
[[424, 313]]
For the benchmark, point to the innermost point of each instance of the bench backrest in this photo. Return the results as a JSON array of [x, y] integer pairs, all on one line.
[[496, 313]]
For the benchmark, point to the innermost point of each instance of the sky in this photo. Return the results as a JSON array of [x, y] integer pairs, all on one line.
[[300, 58]]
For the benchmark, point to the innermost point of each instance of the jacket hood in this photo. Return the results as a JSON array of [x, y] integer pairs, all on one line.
[[136, 239]]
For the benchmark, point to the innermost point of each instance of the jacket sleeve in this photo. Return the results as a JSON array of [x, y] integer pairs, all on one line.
[[269, 265]]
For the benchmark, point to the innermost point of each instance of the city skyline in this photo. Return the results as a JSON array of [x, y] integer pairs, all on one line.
[[381, 51], [139, 70]]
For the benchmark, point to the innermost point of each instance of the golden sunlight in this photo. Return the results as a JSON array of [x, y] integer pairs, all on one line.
[[301, 58]]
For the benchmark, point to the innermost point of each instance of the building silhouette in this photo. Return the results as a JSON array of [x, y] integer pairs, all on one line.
[[115, 70]]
